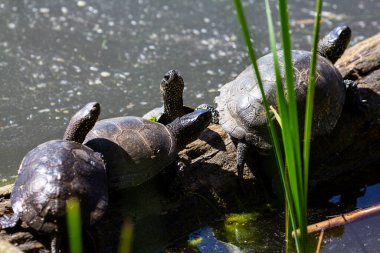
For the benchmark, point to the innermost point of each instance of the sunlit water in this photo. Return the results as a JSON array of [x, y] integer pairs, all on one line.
[[58, 55]]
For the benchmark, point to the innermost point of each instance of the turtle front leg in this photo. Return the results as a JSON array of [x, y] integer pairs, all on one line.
[[9, 221], [241, 153], [55, 242], [353, 97], [212, 109]]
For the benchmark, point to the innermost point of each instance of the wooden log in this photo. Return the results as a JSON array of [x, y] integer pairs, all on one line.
[[342, 219], [207, 186]]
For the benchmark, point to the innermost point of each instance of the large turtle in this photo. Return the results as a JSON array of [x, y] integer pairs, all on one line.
[[242, 114], [136, 149], [53, 172], [171, 89]]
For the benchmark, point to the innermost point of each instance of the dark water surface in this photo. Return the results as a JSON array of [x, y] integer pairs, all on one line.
[[266, 234], [58, 55]]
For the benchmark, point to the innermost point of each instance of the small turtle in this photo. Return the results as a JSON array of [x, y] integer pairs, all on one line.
[[242, 114], [171, 89], [53, 172], [136, 149]]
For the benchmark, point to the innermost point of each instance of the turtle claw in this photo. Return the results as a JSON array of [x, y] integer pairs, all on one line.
[[8, 221], [214, 112], [353, 97]]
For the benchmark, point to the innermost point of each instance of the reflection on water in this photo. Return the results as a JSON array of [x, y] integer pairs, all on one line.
[[246, 232], [365, 196], [205, 241], [362, 236], [260, 232], [58, 55]]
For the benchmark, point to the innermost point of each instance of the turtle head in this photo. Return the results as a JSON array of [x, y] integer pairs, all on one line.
[[188, 127], [82, 122], [171, 89], [172, 84], [333, 45]]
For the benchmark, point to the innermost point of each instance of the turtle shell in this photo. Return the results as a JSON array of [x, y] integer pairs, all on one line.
[[53, 172], [241, 109], [135, 149]]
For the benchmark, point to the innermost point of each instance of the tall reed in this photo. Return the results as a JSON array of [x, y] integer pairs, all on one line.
[[74, 229], [126, 238], [74, 225], [295, 178]]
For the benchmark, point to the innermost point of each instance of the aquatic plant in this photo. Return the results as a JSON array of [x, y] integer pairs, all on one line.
[[126, 238], [74, 225], [74, 229], [294, 169]]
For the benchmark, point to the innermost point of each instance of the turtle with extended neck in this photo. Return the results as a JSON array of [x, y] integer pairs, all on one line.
[[171, 89], [136, 149], [55, 171], [240, 105]]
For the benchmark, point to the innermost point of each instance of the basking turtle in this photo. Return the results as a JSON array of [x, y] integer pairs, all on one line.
[[55, 171], [136, 149], [171, 89], [242, 114]]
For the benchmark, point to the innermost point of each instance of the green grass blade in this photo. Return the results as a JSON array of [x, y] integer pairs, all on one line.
[[126, 238], [74, 225], [297, 175], [310, 95], [252, 57], [284, 115], [310, 102], [295, 152]]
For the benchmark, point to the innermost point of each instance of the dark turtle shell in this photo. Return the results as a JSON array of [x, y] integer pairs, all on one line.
[[53, 172], [242, 114], [135, 149]]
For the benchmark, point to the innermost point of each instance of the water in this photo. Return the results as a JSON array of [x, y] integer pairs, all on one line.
[[265, 233], [58, 55]]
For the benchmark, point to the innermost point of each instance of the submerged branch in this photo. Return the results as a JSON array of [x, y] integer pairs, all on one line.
[[342, 219]]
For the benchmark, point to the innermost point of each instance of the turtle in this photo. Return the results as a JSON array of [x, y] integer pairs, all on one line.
[[53, 172], [239, 103], [136, 149], [171, 89]]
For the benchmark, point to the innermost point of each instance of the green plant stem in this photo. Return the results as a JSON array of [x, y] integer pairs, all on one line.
[[74, 227], [126, 238], [252, 57], [293, 154], [310, 94], [283, 109]]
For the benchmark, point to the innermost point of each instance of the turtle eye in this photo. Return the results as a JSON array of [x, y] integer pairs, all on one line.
[[167, 77]]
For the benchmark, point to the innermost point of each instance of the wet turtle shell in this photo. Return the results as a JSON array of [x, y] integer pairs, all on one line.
[[53, 172], [50, 174], [241, 109], [136, 149], [240, 104]]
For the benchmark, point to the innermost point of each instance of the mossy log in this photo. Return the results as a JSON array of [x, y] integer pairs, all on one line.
[[207, 186]]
